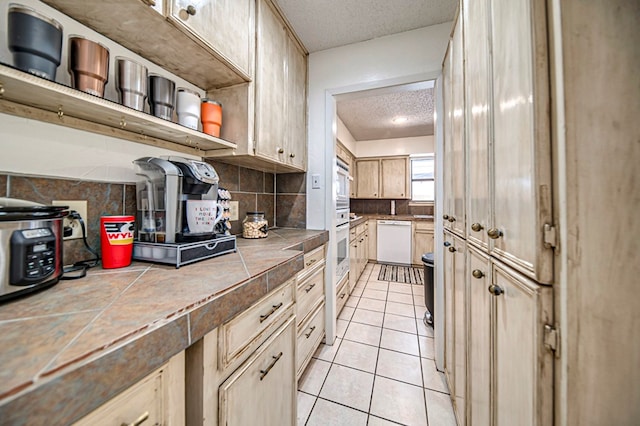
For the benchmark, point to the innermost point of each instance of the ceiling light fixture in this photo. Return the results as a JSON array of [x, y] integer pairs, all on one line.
[[400, 120]]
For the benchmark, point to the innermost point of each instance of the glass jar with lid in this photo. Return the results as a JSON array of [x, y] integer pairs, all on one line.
[[255, 225]]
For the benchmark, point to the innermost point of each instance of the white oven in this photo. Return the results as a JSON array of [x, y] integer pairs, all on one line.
[[342, 185], [342, 243]]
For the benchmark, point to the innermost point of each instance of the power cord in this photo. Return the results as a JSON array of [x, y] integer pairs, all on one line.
[[81, 266]]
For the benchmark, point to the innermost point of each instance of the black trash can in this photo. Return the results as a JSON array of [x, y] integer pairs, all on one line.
[[427, 261]]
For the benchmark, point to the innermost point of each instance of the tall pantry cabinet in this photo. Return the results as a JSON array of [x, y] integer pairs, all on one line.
[[498, 215]]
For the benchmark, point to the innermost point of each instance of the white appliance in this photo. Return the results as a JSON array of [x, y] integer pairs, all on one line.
[[394, 241], [342, 185], [342, 243]]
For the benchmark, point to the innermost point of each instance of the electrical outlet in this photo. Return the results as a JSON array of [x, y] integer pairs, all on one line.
[[233, 210], [81, 207]]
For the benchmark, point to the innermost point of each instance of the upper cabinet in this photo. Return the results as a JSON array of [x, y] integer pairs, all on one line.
[[386, 177], [226, 27], [274, 105], [208, 54]]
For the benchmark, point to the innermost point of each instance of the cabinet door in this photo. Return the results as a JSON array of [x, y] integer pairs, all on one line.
[[227, 26], [372, 232], [353, 183], [478, 117], [353, 263], [458, 165], [270, 85], [368, 178], [262, 391], [521, 152], [296, 116], [447, 172], [393, 172], [523, 367], [480, 316], [449, 347], [422, 241], [460, 327]]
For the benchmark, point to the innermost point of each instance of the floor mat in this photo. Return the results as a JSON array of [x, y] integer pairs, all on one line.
[[401, 274]]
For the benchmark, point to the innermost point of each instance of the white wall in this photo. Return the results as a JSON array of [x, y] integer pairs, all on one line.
[[345, 136], [397, 146], [402, 58], [34, 147]]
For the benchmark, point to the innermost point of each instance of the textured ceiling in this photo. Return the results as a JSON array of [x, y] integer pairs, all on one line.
[[370, 117], [325, 24]]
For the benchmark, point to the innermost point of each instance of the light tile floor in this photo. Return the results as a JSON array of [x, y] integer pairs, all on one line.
[[380, 370]]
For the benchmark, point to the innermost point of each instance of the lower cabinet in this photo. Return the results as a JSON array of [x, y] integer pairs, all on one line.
[[358, 252], [342, 292], [310, 335], [158, 399], [262, 391], [421, 241], [497, 363]]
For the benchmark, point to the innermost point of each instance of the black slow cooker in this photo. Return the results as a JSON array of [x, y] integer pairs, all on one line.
[[30, 246]]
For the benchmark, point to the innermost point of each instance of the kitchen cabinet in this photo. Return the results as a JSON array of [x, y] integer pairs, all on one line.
[[224, 26], [266, 119], [372, 232], [186, 51], [224, 369], [510, 370], [342, 293], [456, 324], [156, 399], [358, 252], [386, 177], [421, 240], [454, 149], [262, 390]]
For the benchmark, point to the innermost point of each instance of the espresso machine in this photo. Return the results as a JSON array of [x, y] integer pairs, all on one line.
[[165, 188]]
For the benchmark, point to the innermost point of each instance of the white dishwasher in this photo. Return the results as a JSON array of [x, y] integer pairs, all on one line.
[[394, 241]]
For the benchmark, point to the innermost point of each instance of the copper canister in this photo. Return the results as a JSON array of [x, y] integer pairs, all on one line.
[[88, 65]]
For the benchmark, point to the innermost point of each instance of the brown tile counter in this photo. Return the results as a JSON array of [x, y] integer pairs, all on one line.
[[68, 349]]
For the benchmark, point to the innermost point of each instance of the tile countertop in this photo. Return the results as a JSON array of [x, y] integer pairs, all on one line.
[[68, 349], [364, 217]]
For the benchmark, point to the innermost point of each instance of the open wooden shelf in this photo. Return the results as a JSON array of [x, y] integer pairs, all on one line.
[[26, 95]]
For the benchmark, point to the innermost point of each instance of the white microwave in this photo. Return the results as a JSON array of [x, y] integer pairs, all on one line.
[[342, 185]]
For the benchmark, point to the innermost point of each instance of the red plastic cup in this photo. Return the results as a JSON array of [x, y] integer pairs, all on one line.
[[116, 240]]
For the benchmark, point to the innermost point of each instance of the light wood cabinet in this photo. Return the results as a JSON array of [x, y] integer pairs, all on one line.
[[342, 293], [224, 26], [156, 399], [386, 177], [310, 335], [367, 178], [267, 119], [421, 240], [262, 390], [372, 232]]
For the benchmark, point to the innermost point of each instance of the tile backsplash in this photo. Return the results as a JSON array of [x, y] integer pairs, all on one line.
[[384, 207], [254, 190]]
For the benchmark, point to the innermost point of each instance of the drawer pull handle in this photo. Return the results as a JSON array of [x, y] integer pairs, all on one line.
[[311, 262], [307, 335], [343, 295], [273, 309], [143, 418], [308, 289], [263, 373]]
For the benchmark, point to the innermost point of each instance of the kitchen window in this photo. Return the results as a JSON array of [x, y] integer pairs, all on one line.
[[422, 179]]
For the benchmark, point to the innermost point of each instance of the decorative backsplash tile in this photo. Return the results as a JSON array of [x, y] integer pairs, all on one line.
[[384, 207]]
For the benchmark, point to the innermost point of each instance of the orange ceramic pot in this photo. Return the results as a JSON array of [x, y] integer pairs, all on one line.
[[211, 116]]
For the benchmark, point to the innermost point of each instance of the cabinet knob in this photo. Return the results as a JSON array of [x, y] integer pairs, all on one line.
[[452, 249], [280, 150], [191, 10], [477, 273], [494, 233], [447, 243], [445, 217], [292, 155], [476, 227], [495, 290], [452, 219]]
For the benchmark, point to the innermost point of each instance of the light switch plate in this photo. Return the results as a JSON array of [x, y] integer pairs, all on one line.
[[315, 181], [233, 210]]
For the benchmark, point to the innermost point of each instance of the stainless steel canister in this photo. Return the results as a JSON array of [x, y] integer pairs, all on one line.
[[131, 83], [161, 96], [88, 65]]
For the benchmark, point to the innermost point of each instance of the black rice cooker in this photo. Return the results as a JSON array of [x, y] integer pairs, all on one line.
[[30, 246]]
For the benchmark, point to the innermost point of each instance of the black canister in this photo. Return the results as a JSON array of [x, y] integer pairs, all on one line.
[[35, 41]]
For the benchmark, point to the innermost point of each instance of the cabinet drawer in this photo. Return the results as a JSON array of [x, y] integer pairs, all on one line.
[[343, 293], [309, 337], [309, 292], [312, 260], [158, 398], [423, 225], [254, 323], [262, 390]]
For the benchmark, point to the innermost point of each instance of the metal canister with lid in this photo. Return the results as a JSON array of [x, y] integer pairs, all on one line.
[[255, 225]]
